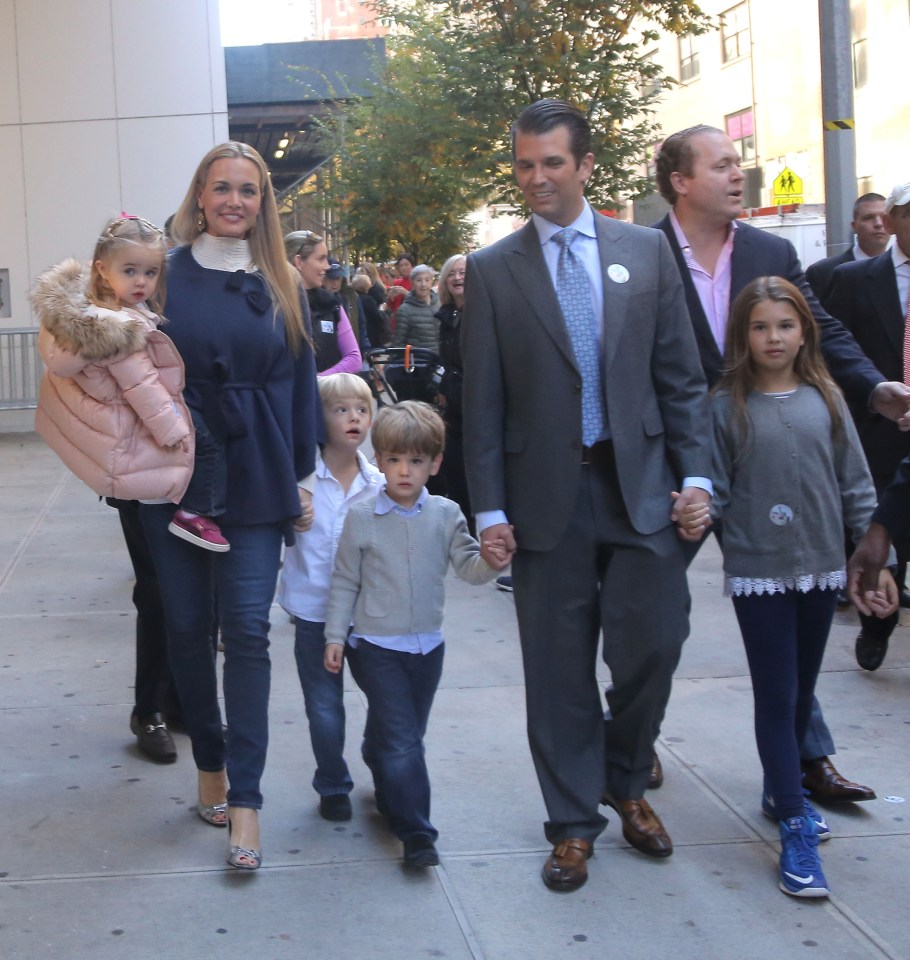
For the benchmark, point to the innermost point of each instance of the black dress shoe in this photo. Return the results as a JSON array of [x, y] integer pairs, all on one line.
[[420, 851], [824, 783], [656, 776], [153, 738], [641, 826], [566, 868], [335, 806], [870, 651]]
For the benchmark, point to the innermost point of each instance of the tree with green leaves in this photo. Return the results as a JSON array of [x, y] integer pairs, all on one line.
[[434, 141]]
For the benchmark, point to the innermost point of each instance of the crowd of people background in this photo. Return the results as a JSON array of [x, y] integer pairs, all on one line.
[[573, 434]]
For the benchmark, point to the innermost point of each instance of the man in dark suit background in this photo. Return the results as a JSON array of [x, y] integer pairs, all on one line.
[[580, 449], [871, 240], [698, 173], [870, 297]]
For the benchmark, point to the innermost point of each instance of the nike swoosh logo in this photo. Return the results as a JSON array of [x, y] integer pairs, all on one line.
[[793, 876]]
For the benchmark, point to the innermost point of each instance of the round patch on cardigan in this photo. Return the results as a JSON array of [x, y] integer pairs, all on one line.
[[780, 514]]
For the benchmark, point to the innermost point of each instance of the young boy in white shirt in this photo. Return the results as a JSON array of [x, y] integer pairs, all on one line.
[[343, 477], [389, 571]]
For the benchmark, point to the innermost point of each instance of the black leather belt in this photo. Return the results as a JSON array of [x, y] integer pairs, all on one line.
[[600, 453]]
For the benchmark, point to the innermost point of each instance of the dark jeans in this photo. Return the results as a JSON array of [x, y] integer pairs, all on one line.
[[785, 636], [323, 697], [817, 740], [154, 691], [208, 484], [399, 688], [245, 578]]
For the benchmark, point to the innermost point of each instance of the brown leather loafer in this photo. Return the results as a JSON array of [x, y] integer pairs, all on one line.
[[821, 779], [656, 776], [642, 827], [566, 868]]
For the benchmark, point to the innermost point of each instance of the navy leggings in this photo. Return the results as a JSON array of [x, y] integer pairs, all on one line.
[[785, 636]]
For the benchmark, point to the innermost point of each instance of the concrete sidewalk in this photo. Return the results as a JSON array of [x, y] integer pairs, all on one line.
[[102, 855]]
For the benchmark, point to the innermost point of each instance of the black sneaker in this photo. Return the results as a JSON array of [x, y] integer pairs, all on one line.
[[336, 806], [504, 583], [420, 851], [153, 738]]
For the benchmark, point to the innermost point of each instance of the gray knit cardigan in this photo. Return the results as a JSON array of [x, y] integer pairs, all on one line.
[[389, 569], [786, 491]]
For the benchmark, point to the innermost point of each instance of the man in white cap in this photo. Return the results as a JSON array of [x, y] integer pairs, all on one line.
[[870, 298]]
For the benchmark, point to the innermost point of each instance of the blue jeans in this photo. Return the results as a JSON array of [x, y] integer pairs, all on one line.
[[399, 688], [323, 697], [245, 578], [785, 636]]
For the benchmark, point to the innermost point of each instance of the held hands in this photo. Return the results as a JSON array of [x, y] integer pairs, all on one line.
[[691, 513], [333, 658], [305, 520], [867, 579], [884, 601], [892, 400], [497, 545]]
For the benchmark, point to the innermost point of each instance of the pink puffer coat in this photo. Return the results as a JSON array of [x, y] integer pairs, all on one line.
[[111, 402]]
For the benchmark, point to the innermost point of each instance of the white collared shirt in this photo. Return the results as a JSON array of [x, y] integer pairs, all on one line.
[[303, 589]]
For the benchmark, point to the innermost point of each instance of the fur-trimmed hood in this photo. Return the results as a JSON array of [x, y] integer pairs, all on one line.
[[78, 326]]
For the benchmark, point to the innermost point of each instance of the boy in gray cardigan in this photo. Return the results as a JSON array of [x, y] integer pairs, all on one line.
[[390, 566]]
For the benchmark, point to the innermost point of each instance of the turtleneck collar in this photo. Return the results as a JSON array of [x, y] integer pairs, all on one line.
[[222, 253]]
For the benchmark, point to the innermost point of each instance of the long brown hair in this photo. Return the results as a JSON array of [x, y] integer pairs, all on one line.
[[739, 376], [266, 243]]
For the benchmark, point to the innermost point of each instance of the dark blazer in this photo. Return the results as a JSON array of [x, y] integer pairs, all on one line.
[[863, 296], [819, 274], [522, 389], [760, 254]]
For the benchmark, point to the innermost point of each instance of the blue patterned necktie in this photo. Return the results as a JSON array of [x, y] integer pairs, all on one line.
[[573, 290]]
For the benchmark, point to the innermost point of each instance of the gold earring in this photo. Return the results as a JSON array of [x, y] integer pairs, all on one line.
[[201, 222]]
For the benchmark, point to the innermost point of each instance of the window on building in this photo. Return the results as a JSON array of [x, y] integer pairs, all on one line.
[[734, 32], [740, 129], [650, 85], [688, 57]]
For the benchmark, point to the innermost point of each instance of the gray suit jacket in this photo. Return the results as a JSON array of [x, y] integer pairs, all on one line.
[[522, 389]]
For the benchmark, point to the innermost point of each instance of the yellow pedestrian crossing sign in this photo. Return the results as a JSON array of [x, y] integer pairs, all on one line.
[[788, 188]]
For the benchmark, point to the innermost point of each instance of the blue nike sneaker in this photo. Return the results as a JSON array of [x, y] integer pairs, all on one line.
[[822, 830], [800, 867]]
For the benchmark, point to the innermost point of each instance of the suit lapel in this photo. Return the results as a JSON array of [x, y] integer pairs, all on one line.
[[611, 250], [707, 345], [528, 269]]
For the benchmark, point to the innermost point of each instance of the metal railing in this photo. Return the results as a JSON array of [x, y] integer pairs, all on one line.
[[20, 368]]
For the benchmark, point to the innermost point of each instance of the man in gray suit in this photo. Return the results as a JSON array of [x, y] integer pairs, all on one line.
[[574, 446], [871, 239]]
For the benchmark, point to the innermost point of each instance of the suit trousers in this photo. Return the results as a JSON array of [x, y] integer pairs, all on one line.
[[600, 576]]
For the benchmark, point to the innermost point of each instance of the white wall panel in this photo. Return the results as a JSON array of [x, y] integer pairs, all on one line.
[[173, 74], [65, 60], [72, 185], [9, 80]]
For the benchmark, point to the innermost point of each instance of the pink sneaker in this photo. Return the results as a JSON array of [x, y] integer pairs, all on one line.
[[201, 531]]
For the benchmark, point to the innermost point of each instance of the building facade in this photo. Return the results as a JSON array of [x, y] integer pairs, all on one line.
[[758, 77]]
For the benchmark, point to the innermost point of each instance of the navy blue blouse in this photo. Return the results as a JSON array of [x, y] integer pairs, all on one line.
[[257, 398]]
